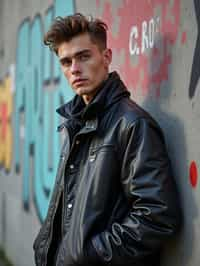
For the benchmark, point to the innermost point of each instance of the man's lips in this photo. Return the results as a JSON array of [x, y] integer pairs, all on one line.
[[79, 81]]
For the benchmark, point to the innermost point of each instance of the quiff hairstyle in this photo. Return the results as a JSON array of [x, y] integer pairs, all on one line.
[[63, 29]]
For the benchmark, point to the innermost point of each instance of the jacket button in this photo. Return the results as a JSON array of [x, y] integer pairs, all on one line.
[[71, 166], [77, 142], [69, 206], [92, 157]]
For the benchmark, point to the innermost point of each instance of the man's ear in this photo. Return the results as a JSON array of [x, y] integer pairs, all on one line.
[[107, 56]]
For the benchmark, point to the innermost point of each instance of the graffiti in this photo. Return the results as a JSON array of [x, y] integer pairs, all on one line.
[[40, 89], [184, 38], [196, 58], [6, 103], [146, 30]]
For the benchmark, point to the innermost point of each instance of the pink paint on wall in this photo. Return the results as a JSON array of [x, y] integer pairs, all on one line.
[[146, 30], [3, 116], [184, 38]]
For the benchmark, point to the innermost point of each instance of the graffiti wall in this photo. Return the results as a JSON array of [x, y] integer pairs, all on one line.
[[155, 46], [40, 90], [6, 111]]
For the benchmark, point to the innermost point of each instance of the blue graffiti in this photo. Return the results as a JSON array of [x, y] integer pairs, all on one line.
[[40, 89]]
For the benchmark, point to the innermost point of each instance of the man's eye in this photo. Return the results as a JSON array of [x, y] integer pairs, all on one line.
[[84, 57], [66, 62]]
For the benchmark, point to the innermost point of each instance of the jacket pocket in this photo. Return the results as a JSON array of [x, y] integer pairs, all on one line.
[[94, 151]]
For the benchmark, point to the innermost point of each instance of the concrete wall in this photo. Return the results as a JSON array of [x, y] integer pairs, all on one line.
[[155, 49]]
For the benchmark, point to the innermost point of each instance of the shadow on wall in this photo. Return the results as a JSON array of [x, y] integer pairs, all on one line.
[[179, 250]]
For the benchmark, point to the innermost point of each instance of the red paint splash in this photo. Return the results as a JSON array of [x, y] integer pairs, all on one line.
[[3, 120], [193, 174], [184, 38], [133, 13]]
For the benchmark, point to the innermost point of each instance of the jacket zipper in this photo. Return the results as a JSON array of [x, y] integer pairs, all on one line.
[[67, 191]]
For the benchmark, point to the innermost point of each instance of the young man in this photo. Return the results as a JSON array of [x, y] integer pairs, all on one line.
[[114, 200]]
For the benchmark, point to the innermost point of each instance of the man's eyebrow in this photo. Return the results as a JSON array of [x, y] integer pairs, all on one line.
[[82, 52], [63, 59]]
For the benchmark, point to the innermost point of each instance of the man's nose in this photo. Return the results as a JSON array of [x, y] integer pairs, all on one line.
[[75, 67]]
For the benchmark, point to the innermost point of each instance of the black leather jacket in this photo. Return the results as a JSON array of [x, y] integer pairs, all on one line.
[[115, 183]]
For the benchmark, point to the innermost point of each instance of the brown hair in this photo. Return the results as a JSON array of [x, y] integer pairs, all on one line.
[[65, 28]]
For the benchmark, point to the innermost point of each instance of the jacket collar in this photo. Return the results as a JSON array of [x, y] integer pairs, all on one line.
[[111, 91]]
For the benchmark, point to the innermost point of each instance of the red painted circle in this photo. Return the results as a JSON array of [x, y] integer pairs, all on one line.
[[193, 174]]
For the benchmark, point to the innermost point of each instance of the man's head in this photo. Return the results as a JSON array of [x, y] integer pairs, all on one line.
[[81, 46]]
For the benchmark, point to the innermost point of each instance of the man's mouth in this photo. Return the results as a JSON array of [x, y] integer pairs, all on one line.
[[79, 81]]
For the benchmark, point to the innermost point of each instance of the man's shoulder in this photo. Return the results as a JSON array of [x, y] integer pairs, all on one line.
[[138, 119], [132, 112]]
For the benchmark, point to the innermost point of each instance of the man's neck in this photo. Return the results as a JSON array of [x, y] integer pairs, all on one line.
[[88, 98]]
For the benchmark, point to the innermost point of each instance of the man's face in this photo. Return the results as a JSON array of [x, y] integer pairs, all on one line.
[[84, 65]]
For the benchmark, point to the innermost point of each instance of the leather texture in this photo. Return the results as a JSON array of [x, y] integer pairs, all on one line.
[[114, 185]]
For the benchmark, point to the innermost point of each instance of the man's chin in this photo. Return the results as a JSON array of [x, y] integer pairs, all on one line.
[[81, 91]]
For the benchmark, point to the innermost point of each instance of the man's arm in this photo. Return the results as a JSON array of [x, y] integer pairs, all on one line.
[[148, 184]]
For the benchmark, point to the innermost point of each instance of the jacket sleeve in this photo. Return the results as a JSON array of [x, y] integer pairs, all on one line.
[[154, 213]]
